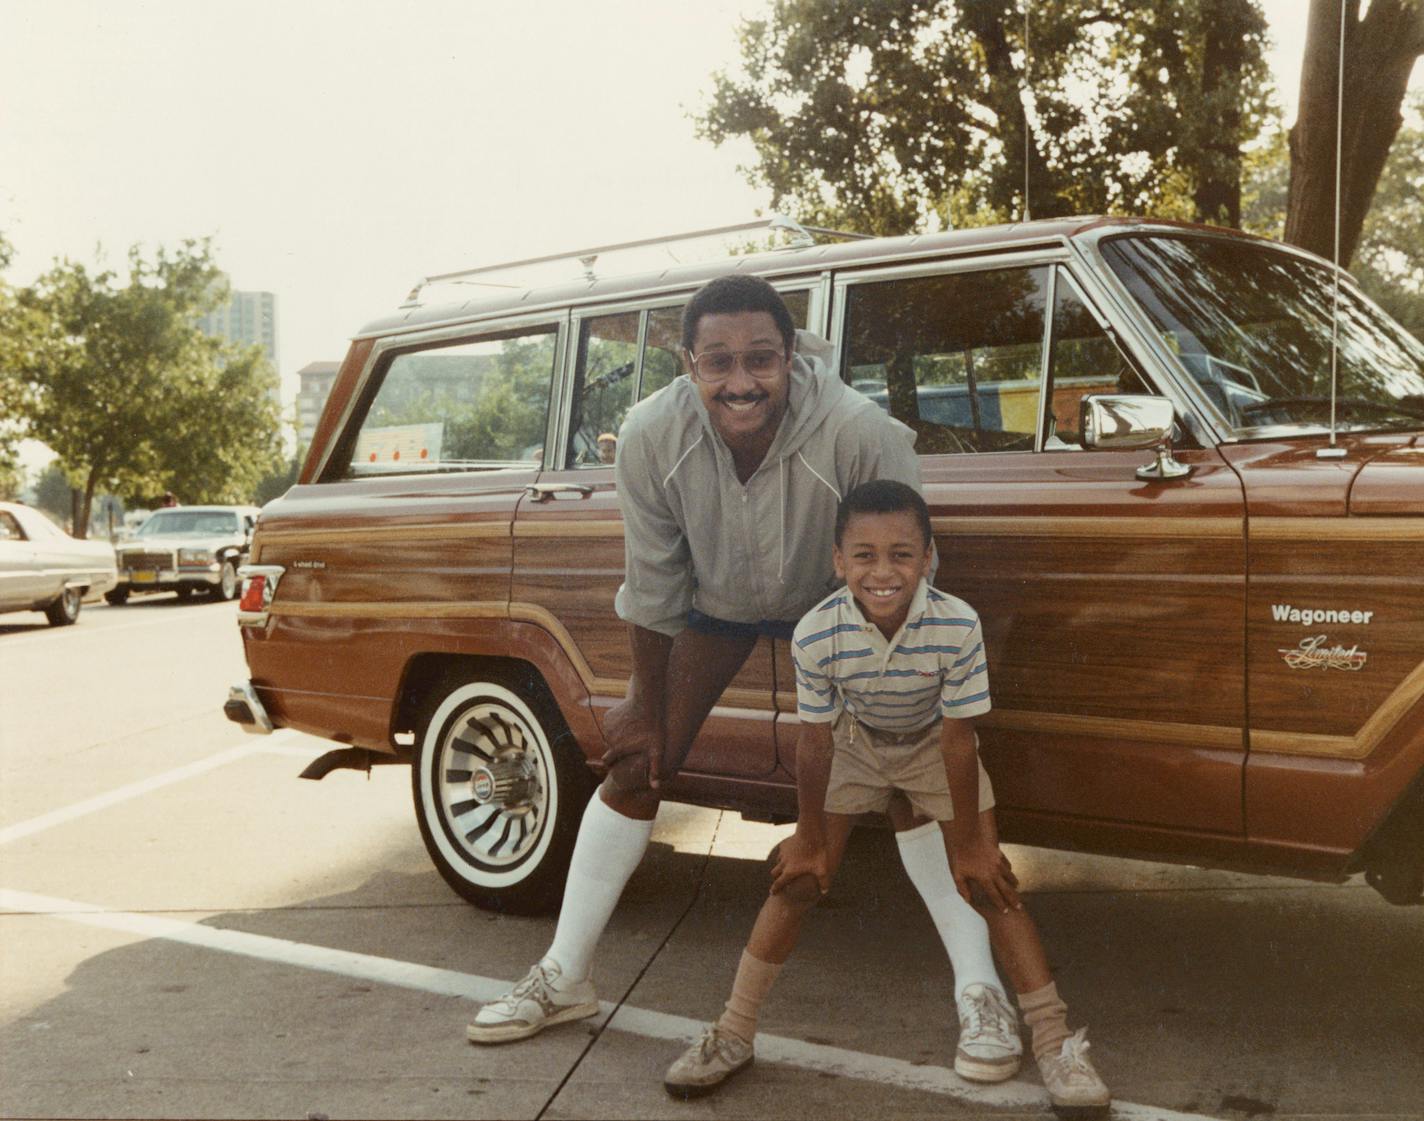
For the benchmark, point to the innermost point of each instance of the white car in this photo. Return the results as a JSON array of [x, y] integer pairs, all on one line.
[[42, 568], [186, 549]]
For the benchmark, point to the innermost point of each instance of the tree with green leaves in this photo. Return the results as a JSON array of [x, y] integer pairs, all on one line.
[[132, 396], [19, 329], [886, 115]]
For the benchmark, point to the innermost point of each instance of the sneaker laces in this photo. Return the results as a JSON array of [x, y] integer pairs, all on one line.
[[983, 1013], [1073, 1059], [534, 984]]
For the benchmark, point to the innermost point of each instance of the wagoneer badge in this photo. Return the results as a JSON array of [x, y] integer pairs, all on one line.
[[1312, 653], [1310, 616]]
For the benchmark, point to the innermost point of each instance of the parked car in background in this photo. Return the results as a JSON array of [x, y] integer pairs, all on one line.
[[186, 549], [1198, 568], [42, 568]]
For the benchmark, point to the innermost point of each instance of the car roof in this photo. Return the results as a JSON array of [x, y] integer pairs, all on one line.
[[506, 299]]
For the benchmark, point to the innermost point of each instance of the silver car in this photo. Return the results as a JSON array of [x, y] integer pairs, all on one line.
[[186, 549], [42, 568]]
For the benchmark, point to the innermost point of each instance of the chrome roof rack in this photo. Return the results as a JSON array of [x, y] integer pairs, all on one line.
[[802, 237]]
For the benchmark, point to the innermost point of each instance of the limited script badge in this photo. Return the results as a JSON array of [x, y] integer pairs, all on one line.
[[1313, 653]]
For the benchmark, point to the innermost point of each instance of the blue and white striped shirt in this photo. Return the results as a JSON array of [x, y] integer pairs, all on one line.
[[933, 666]]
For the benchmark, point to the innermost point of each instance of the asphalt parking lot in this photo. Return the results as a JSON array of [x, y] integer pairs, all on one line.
[[187, 930]]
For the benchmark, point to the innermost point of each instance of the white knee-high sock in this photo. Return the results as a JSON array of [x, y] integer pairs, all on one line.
[[962, 929], [609, 848]]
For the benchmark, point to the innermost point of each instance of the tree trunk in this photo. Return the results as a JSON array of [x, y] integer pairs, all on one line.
[[1379, 54], [81, 525], [1217, 194]]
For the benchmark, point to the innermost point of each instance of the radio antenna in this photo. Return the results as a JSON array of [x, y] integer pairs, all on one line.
[[1024, 100], [1334, 452]]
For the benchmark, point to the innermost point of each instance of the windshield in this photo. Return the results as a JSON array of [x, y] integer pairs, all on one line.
[[198, 523], [1252, 327]]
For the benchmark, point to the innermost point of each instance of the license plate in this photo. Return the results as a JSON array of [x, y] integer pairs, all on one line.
[[143, 577]]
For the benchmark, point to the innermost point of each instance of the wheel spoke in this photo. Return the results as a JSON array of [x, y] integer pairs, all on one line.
[[475, 822]]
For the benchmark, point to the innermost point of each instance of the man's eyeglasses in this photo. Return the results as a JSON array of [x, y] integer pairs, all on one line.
[[717, 365]]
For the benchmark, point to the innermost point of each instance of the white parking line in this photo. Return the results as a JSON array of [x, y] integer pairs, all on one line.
[[143, 786], [637, 1021]]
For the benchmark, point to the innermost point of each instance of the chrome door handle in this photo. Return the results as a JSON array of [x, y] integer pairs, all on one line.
[[542, 492]]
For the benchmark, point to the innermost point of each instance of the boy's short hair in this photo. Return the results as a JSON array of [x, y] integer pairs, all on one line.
[[883, 496], [728, 295]]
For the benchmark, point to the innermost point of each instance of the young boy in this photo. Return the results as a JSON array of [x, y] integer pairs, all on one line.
[[889, 672]]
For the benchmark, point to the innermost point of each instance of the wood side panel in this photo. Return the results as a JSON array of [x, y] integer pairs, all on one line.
[[451, 569], [1113, 614]]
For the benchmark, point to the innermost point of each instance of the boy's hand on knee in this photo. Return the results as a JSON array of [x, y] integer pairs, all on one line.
[[984, 876], [799, 856]]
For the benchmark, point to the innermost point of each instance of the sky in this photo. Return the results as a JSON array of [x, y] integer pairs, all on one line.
[[339, 150]]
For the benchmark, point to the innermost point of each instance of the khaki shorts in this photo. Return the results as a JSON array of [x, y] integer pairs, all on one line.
[[869, 765]]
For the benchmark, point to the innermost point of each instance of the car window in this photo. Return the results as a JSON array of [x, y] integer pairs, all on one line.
[[468, 406], [1083, 359], [9, 528], [957, 357], [603, 386]]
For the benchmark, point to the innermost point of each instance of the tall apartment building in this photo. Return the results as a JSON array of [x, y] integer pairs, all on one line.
[[247, 317], [317, 379]]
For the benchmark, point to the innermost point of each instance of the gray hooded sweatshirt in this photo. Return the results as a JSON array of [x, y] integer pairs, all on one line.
[[695, 536]]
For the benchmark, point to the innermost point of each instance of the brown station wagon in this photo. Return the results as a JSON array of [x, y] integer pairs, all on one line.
[[1201, 571]]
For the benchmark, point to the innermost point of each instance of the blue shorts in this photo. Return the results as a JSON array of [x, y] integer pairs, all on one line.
[[764, 628]]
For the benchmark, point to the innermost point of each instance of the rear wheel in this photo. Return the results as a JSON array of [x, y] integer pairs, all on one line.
[[65, 610], [499, 787]]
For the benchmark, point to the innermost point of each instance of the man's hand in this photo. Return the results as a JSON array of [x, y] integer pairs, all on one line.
[[984, 877], [800, 855], [632, 731]]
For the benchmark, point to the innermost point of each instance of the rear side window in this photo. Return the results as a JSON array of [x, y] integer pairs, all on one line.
[[467, 406], [958, 357]]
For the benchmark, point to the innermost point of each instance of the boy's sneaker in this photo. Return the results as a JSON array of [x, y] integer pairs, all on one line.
[[707, 1064], [537, 1002], [990, 1049], [1072, 1083]]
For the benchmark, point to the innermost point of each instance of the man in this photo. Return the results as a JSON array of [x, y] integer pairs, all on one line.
[[729, 481]]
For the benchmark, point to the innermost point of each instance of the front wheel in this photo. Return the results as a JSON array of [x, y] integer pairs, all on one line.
[[117, 597], [499, 788], [65, 610], [226, 588]]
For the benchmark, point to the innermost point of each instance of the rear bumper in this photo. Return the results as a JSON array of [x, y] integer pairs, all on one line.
[[244, 708]]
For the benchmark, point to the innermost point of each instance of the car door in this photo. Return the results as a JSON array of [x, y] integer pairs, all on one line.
[[1113, 607], [568, 536], [20, 581]]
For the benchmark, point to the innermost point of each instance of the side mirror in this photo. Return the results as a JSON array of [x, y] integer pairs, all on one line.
[[1126, 421]]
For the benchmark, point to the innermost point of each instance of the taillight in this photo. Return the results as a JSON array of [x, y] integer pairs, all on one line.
[[254, 592]]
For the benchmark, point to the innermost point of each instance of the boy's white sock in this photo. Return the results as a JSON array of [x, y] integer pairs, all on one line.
[[609, 848], [961, 928]]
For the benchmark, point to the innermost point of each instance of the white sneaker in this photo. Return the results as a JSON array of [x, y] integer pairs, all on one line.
[[707, 1064], [990, 1049], [1072, 1083], [537, 1002]]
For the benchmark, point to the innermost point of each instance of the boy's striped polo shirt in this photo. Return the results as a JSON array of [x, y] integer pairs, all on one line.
[[934, 666]]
